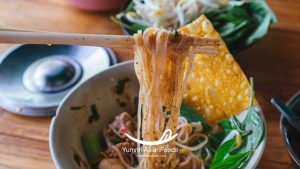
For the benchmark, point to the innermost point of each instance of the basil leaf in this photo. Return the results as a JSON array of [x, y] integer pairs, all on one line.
[[193, 116], [241, 26], [237, 124], [223, 150], [254, 123], [232, 124], [226, 156], [214, 141], [233, 161]]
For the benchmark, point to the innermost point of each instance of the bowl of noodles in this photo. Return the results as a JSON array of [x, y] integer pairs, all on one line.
[[162, 110], [77, 117]]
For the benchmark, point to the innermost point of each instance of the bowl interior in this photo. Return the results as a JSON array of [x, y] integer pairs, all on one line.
[[74, 115]]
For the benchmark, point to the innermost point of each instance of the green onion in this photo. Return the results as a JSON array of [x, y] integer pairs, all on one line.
[[91, 147]]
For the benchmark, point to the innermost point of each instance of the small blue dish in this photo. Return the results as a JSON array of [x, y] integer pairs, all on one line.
[[290, 135]]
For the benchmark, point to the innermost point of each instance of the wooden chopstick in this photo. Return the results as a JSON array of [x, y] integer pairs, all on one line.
[[65, 38], [200, 45], [209, 50], [32, 37]]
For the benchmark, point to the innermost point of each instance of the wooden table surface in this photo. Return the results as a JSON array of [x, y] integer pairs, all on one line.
[[274, 63]]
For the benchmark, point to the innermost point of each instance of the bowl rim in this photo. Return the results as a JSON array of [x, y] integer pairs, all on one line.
[[58, 163], [295, 99]]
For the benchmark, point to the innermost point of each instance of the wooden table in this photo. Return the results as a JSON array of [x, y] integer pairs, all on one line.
[[274, 63]]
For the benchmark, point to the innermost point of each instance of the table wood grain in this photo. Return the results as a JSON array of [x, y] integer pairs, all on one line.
[[274, 63]]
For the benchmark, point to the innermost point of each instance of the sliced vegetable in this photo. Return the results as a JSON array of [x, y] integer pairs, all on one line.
[[91, 147]]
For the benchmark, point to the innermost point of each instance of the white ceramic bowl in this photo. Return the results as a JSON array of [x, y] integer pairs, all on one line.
[[68, 125]]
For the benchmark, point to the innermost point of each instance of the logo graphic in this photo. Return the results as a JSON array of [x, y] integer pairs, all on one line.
[[166, 137]]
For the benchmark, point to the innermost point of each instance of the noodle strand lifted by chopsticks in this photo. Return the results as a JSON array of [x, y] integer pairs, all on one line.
[[162, 64]]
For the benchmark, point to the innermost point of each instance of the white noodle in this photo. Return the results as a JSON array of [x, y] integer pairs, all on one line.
[[197, 147]]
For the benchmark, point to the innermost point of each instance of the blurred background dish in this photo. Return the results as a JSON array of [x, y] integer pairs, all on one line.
[[290, 135], [240, 23], [35, 78]]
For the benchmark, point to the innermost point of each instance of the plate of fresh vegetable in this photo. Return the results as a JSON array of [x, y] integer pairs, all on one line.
[[241, 23]]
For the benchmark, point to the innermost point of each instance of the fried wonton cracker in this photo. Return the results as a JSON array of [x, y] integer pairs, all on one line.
[[217, 87]]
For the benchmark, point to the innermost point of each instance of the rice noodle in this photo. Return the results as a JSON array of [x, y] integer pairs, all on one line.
[[128, 166], [162, 65], [197, 147]]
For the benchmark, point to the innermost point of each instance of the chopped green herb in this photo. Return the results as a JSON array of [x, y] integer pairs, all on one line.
[[121, 85], [76, 107], [95, 115]]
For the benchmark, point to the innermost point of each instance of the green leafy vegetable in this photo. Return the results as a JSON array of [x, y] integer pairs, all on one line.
[[193, 116], [232, 124], [233, 161], [223, 150], [241, 26], [254, 123], [130, 7], [250, 131], [214, 141]]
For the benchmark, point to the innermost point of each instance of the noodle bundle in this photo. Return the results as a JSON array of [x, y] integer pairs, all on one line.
[[162, 64]]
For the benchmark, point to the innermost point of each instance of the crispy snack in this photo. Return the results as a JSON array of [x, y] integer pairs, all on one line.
[[217, 87]]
